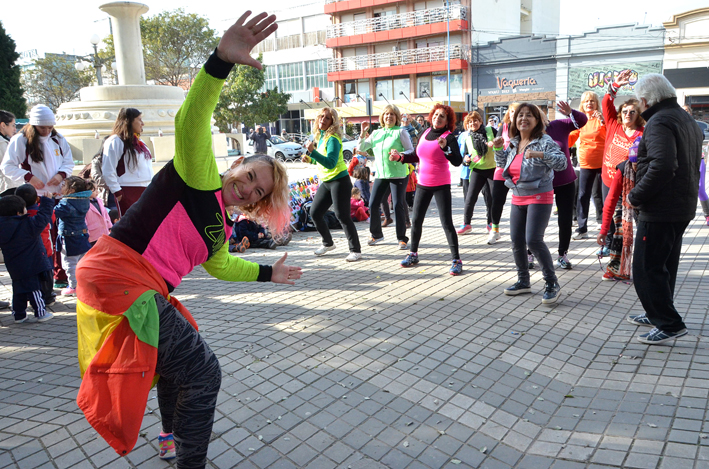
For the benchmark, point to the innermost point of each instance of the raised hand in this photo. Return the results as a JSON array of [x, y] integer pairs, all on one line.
[[564, 107], [285, 273], [623, 77], [498, 142], [442, 143], [363, 132], [310, 146], [237, 41], [393, 155]]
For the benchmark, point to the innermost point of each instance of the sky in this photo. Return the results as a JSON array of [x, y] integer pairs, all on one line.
[[66, 26]]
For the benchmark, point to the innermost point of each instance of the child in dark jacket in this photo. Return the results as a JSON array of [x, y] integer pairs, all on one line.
[[25, 256], [247, 233], [28, 193], [71, 216]]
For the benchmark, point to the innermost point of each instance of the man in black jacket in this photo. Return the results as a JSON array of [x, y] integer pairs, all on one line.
[[665, 194]]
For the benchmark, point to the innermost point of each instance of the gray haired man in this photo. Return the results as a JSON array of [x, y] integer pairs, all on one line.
[[665, 194]]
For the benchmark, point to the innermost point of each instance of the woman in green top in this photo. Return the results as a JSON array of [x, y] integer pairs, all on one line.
[[479, 155], [335, 184], [389, 174]]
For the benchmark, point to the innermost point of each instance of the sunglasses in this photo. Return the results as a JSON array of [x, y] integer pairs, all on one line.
[[627, 112]]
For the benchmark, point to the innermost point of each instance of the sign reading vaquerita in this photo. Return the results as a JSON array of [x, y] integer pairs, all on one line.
[[597, 77], [503, 82]]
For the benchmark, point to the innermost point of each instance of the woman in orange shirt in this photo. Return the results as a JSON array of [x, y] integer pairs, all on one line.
[[592, 139]]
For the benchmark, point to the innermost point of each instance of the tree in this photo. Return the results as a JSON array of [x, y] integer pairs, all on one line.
[[11, 93], [242, 100], [54, 80], [174, 43]]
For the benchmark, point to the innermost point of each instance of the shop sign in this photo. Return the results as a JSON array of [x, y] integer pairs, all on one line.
[[597, 78], [499, 82]]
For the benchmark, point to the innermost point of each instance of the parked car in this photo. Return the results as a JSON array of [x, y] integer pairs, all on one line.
[[705, 128], [348, 146], [279, 149]]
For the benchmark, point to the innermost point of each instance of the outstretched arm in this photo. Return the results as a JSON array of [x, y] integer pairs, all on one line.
[[194, 160]]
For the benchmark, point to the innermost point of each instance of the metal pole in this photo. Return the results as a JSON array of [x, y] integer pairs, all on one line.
[[448, 47]]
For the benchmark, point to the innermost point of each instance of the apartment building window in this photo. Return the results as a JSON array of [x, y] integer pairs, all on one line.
[[291, 76], [352, 88], [436, 84], [316, 74], [271, 78]]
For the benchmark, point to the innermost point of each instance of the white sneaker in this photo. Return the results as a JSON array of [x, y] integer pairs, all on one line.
[[353, 257], [577, 236], [47, 316], [26, 320], [323, 249], [493, 237]]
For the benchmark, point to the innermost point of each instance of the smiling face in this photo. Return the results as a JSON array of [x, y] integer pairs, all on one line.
[[525, 121], [420, 120], [324, 120], [440, 119], [389, 119], [137, 126], [475, 124], [247, 184]]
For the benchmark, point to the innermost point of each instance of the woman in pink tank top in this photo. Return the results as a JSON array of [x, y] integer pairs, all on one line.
[[437, 148]]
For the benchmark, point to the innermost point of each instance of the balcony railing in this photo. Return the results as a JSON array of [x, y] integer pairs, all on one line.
[[403, 20], [394, 58], [293, 41]]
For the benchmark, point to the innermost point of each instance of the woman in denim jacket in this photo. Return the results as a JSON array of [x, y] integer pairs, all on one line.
[[529, 164]]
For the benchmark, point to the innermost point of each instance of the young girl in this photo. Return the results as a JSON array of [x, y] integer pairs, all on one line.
[[361, 175], [71, 216], [98, 221], [358, 212]]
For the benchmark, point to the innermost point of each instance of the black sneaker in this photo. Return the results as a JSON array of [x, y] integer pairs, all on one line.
[[518, 288], [656, 336], [639, 320], [552, 292]]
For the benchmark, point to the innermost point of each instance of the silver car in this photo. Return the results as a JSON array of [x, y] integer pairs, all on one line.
[[279, 149]]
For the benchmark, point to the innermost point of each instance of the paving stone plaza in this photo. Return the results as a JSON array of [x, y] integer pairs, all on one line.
[[368, 365]]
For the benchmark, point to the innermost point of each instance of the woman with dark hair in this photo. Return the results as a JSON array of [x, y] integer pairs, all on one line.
[[436, 148], [335, 183], [131, 331], [127, 163], [7, 130], [389, 174], [623, 126], [529, 164]]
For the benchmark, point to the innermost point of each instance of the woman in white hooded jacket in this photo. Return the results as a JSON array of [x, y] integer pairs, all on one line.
[[38, 155]]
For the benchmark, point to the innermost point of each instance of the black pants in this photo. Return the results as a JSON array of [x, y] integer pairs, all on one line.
[[397, 187], [564, 196], [587, 180], [479, 179], [655, 264], [46, 281], [527, 226], [597, 196], [422, 200], [19, 304], [499, 197], [466, 185], [337, 193], [189, 382], [611, 230]]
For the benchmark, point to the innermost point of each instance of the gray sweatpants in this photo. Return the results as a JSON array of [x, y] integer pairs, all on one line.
[[69, 265], [527, 226]]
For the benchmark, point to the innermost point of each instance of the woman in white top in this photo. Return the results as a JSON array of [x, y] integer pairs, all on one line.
[[127, 163], [7, 130], [38, 155]]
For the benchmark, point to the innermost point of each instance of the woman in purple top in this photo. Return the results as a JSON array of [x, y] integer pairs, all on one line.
[[564, 187]]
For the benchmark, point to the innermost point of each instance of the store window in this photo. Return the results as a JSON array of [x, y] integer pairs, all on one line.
[[384, 90], [423, 86], [291, 77], [316, 74], [352, 88], [401, 85]]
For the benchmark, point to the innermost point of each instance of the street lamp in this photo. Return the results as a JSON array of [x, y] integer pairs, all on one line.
[[97, 63], [384, 97], [427, 94], [401, 93]]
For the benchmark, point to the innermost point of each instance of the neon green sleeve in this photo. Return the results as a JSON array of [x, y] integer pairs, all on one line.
[[224, 266], [194, 159]]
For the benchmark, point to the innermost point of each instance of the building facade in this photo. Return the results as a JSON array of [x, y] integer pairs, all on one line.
[[686, 60]]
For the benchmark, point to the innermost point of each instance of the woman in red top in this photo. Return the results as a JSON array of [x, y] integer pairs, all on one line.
[[623, 126]]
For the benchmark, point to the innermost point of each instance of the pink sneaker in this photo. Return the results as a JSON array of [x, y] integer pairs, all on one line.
[[167, 446], [68, 291], [464, 229]]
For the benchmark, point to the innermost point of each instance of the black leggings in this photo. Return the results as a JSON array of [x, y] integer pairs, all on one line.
[[479, 178], [189, 382], [499, 197], [564, 196], [398, 195], [587, 179], [422, 200], [337, 193]]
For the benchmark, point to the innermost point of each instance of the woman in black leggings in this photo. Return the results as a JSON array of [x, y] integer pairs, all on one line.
[[436, 148], [499, 189], [335, 184]]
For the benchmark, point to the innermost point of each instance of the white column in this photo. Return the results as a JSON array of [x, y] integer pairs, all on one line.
[[127, 41]]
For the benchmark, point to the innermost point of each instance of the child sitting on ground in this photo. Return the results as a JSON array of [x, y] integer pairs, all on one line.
[[247, 233], [361, 175], [98, 221], [358, 211], [71, 219], [25, 256], [29, 194]]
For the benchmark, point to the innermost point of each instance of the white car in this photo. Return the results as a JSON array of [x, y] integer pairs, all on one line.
[[348, 146], [279, 149]]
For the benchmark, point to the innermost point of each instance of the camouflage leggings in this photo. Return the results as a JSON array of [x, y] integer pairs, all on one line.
[[190, 378]]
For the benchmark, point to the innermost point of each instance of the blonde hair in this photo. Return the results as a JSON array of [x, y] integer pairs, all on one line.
[[272, 210], [475, 115], [334, 129], [590, 96], [511, 107], [394, 110]]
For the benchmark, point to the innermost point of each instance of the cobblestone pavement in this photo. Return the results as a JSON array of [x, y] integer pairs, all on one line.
[[368, 365]]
